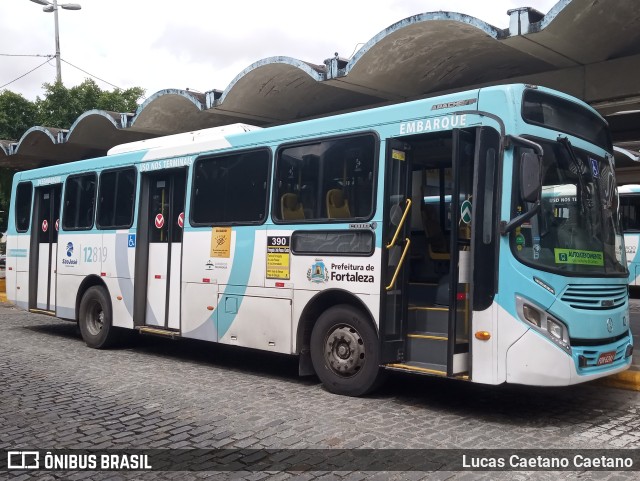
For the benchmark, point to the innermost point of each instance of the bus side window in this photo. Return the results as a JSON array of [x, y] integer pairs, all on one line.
[[231, 188], [79, 202], [116, 199], [329, 179], [297, 173], [630, 212], [24, 195]]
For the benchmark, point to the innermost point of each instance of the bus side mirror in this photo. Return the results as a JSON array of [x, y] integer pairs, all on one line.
[[530, 184]]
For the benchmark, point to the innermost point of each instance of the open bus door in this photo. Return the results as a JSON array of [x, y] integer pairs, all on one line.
[[396, 245], [427, 316], [44, 248], [460, 280]]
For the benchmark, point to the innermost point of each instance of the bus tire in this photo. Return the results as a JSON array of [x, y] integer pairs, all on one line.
[[95, 319], [344, 351]]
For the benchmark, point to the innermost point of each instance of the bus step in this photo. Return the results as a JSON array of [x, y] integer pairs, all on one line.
[[428, 318], [156, 331], [419, 368], [43, 311], [427, 347]]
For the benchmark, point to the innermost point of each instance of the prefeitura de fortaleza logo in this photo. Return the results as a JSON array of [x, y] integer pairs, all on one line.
[[318, 273]]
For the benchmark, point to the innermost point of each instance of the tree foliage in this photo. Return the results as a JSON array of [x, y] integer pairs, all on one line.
[[59, 107], [17, 115]]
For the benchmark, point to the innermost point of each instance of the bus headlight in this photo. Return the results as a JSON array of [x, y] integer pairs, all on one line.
[[543, 322], [532, 315], [555, 329]]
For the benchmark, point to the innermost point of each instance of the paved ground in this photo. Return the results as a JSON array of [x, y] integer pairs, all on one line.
[[56, 393]]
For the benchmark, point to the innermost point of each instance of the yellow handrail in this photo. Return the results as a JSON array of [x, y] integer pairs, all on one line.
[[404, 254], [404, 216]]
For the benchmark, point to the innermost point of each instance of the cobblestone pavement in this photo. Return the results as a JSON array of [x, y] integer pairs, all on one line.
[[56, 393]]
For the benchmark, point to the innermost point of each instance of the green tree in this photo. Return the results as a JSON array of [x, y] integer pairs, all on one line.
[[61, 106], [17, 115]]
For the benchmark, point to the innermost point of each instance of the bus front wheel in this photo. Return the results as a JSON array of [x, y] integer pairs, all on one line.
[[344, 351], [96, 319]]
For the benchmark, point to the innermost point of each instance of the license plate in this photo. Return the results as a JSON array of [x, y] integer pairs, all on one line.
[[606, 358]]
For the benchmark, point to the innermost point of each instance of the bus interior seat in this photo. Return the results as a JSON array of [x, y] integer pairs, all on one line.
[[337, 205], [291, 208]]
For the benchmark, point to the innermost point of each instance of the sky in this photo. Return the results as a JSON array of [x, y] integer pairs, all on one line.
[[198, 45]]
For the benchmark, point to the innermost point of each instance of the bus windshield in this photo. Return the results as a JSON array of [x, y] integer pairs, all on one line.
[[577, 230]]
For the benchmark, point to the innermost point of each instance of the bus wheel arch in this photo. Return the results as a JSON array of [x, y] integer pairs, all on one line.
[[338, 340], [95, 314], [88, 282]]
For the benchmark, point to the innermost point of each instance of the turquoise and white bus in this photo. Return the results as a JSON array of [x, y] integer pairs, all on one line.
[[432, 237], [630, 218]]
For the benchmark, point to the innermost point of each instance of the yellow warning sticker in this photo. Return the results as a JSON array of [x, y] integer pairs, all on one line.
[[397, 154], [221, 242]]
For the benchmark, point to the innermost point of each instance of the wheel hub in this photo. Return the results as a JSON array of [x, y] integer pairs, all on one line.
[[344, 351], [96, 320]]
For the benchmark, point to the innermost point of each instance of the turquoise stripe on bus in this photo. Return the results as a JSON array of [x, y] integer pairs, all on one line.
[[123, 273], [245, 239]]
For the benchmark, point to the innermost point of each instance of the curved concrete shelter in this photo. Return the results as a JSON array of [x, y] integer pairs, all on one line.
[[587, 48]]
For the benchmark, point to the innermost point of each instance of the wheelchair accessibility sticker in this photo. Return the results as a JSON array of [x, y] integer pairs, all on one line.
[[595, 168]]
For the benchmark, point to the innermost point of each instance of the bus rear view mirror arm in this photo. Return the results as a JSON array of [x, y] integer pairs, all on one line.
[[505, 227], [530, 178], [530, 169]]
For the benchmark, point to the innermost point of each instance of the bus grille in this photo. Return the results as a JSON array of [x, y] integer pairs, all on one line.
[[595, 297], [591, 356]]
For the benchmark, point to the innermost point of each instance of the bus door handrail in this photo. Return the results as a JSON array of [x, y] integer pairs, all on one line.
[[400, 262], [400, 224]]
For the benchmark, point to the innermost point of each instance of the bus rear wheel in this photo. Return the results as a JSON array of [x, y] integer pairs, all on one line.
[[95, 319], [344, 351]]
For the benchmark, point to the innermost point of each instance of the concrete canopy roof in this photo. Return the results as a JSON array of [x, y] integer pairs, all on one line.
[[587, 48]]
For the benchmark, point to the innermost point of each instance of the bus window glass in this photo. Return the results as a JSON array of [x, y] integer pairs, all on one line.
[[550, 111], [351, 242], [79, 202], [23, 206], [488, 202], [577, 231], [116, 199], [231, 189], [630, 213], [330, 179]]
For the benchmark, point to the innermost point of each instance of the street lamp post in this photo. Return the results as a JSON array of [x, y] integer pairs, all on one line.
[[53, 7]]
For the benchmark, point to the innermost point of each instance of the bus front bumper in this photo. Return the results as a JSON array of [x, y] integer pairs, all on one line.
[[533, 360]]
